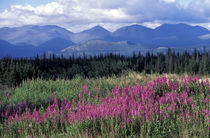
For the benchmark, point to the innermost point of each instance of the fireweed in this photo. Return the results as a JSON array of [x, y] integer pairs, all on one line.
[[161, 108]]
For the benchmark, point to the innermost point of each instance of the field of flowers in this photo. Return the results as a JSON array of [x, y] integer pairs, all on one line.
[[174, 106]]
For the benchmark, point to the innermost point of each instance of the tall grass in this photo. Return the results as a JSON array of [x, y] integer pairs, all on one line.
[[39, 90], [133, 105]]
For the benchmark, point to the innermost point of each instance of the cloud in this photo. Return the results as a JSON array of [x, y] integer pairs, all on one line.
[[109, 13], [169, 1], [201, 8]]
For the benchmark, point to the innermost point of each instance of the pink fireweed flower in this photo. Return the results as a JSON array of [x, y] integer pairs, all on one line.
[[16, 118], [50, 97], [86, 134], [35, 115], [89, 93], [207, 82], [122, 125], [8, 95], [189, 78], [196, 78], [9, 120], [184, 82], [193, 106], [126, 105], [21, 118], [191, 119], [206, 112], [85, 88], [154, 82], [163, 79], [73, 101], [207, 100], [27, 115], [167, 115], [19, 131], [98, 90], [44, 117], [6, 113], [158, 79], [55, 104], [80, 94]]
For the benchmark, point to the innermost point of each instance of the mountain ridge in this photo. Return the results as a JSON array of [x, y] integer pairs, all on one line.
[[53, 38]]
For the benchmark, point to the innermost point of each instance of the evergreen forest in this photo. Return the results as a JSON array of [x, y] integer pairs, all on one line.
[[14, 71]]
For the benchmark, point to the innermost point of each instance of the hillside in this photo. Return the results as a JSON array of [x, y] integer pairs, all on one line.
[[96, 40], [95, 47]]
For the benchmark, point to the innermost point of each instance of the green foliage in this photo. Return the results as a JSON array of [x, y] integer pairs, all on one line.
[[37, 92], [14, 71]]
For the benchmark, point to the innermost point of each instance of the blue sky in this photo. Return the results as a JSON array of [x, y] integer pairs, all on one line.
[[77, 15]]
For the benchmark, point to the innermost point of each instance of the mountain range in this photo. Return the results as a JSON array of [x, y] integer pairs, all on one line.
[[28, 41]]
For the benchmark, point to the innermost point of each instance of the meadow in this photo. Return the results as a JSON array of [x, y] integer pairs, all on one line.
[[129, 105]]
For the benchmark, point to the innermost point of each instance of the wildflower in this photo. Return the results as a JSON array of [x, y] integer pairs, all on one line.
[[207, 100], [19, 131], [122, 125], [9, 120], [80, 94], [85, 88], [98, 90], [89, 93], [8, 95], [16, 118]]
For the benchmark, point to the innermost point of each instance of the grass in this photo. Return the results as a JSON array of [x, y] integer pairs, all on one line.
[[37, 92]]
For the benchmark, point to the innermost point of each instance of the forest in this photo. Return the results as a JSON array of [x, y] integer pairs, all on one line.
[[14, 71], [154, 95]]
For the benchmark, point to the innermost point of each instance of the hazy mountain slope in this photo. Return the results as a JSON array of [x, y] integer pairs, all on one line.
[[54, 45], [34, 35], [180, 30], [7, 49], [95, 47], [95, 33], [179, 35], [21, 41], [166, 34], [134, 33]]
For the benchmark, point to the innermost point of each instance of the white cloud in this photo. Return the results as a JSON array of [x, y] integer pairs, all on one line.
[[151, 24], [108, 13], [169, 1], [204, 37]]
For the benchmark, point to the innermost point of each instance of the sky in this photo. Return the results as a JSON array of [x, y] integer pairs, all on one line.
[[78, 15]]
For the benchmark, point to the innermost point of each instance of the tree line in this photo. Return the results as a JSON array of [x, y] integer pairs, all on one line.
[[14, 71]]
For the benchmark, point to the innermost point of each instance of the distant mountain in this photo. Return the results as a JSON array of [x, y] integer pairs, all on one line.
[[95, 33], [7, 49], [179, 35], [165, 35], [134, 33], [95, 47], [24, 50], [30, 40], [126, 48], [33, 34], [54, 45], [180, 30]]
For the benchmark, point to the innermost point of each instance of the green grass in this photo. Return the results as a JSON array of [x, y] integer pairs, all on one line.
[[38, 91]]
